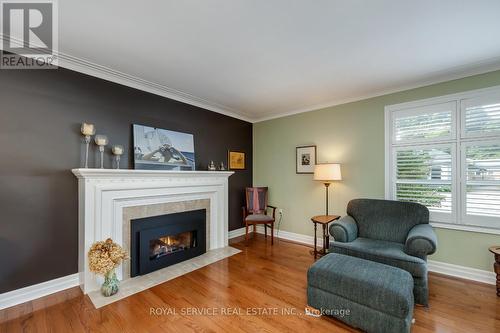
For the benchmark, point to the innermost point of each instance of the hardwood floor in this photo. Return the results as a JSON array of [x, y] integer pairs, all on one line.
[[261, 277]]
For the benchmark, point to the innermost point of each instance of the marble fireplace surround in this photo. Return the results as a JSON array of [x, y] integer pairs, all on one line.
[[136, 212], [109, 199]]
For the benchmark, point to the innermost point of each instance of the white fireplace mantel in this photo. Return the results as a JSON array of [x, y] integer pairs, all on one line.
[[103, 193]]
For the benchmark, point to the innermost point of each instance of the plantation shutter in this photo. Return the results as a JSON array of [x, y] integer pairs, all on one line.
[[444, 153], [481, 116], [434, 122], [482, 182], [425, 175]]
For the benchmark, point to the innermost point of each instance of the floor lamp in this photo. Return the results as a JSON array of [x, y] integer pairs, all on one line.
[[327, 173]]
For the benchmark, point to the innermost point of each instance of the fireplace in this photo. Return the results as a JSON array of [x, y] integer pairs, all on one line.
[[110, 199], [161, 241]]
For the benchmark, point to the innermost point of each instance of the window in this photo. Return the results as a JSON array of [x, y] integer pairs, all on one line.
[[481, 185], [433, 122], [445, 154], [481, 116], [424, 175]]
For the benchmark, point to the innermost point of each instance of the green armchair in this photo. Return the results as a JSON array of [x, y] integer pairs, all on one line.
[[390, 232]]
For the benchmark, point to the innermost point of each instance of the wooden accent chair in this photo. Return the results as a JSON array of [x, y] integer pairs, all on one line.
[[255, 211]]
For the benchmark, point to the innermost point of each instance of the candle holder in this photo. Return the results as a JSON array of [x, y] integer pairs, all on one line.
[[87, 130], [117, 151], [101, 141]]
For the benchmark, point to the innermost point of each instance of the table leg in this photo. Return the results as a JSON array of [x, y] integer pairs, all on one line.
[[327, 238], [497, 270], [315, 241], [324, 239]]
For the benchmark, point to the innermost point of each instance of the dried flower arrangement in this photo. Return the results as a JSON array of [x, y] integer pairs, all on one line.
[[104, 256]]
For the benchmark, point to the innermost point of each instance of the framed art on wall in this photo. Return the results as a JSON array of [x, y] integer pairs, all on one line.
[[161, 149], [305, 157], [236, 160]]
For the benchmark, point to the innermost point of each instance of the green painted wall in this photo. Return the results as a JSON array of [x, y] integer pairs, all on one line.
[[352, 134]]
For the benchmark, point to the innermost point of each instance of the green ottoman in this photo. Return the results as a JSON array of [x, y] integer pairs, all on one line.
[[365, 294]]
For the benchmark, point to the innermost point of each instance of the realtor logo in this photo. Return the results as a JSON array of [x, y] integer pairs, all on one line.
[[29, 35]]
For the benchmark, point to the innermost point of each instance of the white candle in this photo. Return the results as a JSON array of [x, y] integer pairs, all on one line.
[[117, 150], [101, 140], [88, 129]]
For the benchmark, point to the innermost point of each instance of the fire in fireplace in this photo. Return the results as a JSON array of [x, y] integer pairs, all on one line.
[[170, 244], [161, 241]]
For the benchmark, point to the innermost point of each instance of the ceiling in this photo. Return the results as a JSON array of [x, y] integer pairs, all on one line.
[[262, 59]]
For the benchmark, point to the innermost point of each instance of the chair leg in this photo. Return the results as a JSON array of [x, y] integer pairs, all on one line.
[[246, 234], [272, 233], [254, 230], [265, 230]]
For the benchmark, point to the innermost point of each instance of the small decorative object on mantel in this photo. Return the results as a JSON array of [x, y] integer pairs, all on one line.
[[104, 258], [222, 167], [117, 150], [87, 130], [211, 166], [101, 141], [305, 159], [236, 160]]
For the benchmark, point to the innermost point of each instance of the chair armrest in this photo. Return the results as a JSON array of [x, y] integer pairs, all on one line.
[[421, 241], [274, 210], [344, 230]]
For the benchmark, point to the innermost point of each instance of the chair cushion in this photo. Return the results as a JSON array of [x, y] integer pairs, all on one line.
[[259, 218], [376, 286], [389, 253], [386, 220]]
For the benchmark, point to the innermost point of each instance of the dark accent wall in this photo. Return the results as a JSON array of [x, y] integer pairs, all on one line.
[[40, 142]]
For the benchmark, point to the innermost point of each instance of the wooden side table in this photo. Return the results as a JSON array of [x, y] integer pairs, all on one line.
[[322, 220], [496, 251]]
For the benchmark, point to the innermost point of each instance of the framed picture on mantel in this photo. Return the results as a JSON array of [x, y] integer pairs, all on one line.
[[161, 149], [305, 159]]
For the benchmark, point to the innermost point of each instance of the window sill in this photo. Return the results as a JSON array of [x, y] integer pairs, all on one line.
[[463, 227]]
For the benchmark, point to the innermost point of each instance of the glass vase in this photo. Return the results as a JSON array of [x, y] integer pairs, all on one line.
[[117, 158], [111, 284]]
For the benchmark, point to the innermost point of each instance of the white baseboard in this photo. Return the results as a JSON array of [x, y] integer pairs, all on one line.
[[35, 291], [462, 272], [236, 233], [30, 293], [291, 236]]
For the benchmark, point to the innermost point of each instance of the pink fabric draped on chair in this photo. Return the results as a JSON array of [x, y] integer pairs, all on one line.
[[255, 211]]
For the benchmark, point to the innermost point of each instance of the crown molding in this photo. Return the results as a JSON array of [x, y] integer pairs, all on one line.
[[109, 74], [89, 68], [102, 72], [455, 73]]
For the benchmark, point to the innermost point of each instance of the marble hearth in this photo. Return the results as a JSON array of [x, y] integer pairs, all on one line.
[[110, 199]]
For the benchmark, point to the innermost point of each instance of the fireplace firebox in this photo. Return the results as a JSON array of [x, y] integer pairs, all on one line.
[[161, 241]]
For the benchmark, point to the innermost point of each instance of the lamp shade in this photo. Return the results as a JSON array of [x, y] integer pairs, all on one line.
[[327, 172]]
